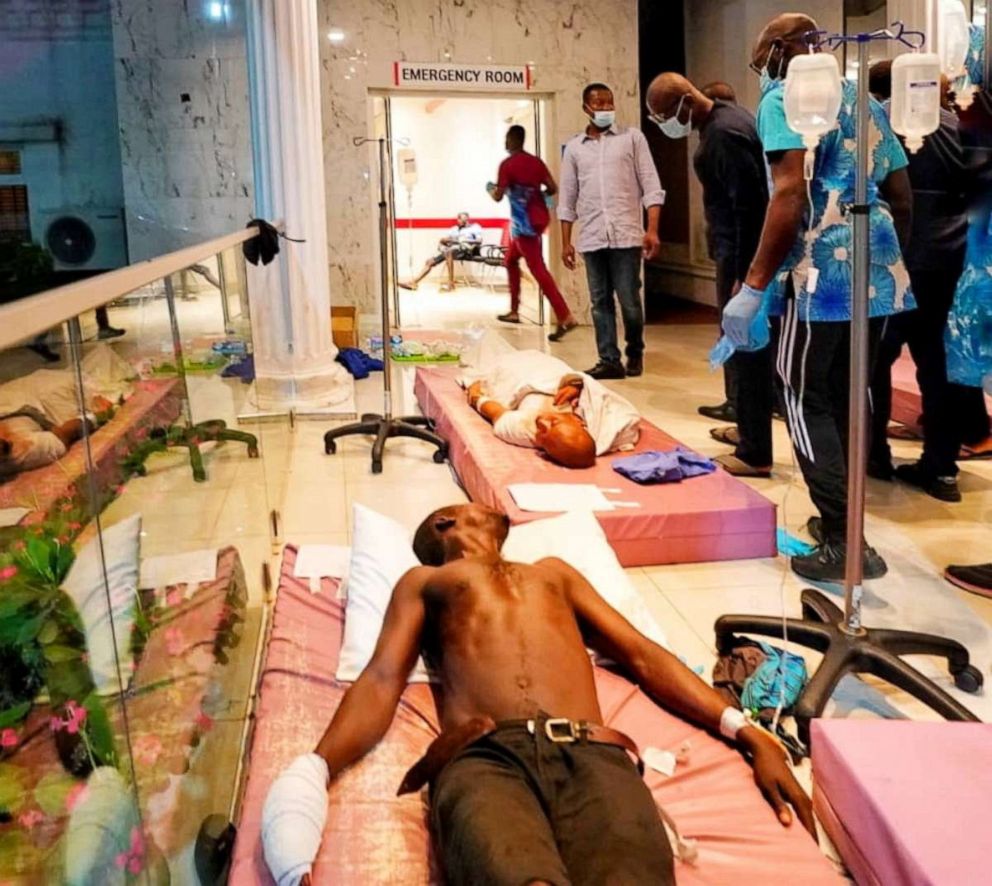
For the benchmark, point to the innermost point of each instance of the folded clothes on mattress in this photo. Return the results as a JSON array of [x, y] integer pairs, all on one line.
[[664, 466]]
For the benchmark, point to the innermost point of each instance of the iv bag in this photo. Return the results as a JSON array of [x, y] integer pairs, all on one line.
[[813, 96], [915, 110], [953, 37], [408, 167]]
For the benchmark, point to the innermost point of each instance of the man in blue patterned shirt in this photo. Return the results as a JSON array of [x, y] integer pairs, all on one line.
[[808, 233]]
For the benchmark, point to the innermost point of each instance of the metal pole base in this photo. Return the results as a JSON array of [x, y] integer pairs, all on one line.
[[382, 428], [869, 651]]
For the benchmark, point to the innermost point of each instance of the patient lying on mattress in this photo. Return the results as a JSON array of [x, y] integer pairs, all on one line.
[[526, 785], [533, 399]]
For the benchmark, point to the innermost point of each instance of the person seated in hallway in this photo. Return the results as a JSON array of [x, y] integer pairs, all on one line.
[[514, 797], [529, 185], [535, 400], [730, 166], [461, 242]]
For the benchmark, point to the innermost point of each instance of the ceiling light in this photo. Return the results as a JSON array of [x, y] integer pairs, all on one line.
[[335, 35]]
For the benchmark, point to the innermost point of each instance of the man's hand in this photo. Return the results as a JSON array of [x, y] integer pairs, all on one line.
[[652, 245], [775, 780], [738, 314], [568, 257], [474, 393], [568, 395]]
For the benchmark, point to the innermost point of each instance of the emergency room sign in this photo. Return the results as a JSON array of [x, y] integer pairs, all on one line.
[[474, 78]]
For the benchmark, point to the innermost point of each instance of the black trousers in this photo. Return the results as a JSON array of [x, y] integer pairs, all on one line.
[[513, 807], [749, 379], [923, 331], [813, 365]]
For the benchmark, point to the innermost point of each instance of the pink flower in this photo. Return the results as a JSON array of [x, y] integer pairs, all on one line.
[[30, 819], [74, 719], [63, 539], [8, 738], [121, 859], [75, 526], [174, 597], [7, 573], [134, 866], [137, 842], [77, 794], [174, 641], [147, 749], [204, 721]]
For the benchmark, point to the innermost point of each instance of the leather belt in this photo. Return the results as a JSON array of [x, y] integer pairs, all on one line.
[[561, 730]]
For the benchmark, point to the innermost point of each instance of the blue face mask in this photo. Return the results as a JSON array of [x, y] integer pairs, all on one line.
[[603, 119], [672, 127], [766, 80]]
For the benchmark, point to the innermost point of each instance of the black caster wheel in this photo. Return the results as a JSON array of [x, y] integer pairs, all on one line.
[[213, 850], [969, 679], [330, 447], [252, 452], [200, 476], [440, 457], [377, 467]]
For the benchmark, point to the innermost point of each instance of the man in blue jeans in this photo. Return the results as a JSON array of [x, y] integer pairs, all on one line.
[[608, 179]]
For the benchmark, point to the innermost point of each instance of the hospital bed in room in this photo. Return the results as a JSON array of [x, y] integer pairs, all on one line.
[[171, 703], [374, 837], [715, 517]]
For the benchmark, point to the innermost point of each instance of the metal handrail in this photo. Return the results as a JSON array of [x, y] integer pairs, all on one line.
[[27, 317]]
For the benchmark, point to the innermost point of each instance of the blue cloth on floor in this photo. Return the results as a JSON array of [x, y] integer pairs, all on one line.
[[663, 466], [358, 363], [790, 546], [243, 369]]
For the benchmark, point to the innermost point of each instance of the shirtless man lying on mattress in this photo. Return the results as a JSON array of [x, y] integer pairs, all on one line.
[[526, 785], [533, 399]]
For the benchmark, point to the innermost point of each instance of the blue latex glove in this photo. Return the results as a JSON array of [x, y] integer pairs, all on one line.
[[739, 313]]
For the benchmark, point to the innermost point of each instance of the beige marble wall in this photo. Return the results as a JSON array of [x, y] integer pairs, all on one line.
[[569, 45]]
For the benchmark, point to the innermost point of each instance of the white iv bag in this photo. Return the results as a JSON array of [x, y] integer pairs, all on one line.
[[953, 37], [813, 96], [915, 110]]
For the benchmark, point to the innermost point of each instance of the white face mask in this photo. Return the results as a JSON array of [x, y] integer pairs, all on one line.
[[672, 127], [603, 119]]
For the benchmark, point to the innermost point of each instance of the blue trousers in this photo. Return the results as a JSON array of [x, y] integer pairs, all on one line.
[[617, 271]]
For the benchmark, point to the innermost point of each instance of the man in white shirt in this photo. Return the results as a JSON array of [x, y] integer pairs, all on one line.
[[461, 242], [608, 179]]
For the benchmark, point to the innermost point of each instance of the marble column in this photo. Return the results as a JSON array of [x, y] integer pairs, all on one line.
[[290, 299]]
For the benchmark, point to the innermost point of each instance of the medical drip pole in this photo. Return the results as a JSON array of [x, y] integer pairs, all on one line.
[[384, 426], [847, 645]]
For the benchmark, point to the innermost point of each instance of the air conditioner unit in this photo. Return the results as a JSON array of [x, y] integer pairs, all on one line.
[[85, 239]]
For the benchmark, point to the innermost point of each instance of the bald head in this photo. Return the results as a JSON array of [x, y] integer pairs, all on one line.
[[718, 89], [667, 91], [780, 41]]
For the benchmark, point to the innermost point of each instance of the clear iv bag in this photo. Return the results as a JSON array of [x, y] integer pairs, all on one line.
[[813, 96], [915, 109], [953, 37]]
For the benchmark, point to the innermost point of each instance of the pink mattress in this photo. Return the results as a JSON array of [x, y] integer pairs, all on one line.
[[906, 402], [375, 837], [155, 403], [165, 713], [906, 803], [715, 517]]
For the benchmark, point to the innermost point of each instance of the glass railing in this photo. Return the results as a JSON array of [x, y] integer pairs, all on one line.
[[138, 514]]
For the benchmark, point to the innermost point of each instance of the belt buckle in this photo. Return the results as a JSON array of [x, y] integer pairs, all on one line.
[[561, 730]]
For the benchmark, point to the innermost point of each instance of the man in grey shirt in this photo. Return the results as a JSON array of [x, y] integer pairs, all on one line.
[[608, 179]]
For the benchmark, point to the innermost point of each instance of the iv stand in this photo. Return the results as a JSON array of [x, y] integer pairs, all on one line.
[[847, 645], [385, 425]]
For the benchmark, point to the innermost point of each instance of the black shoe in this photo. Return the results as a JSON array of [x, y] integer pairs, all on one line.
[[814, 526], [561, 330], [976, 579], [635, 367], [724, 412], [881, 470], [607, 371], [109, 332], [829, 563], [942, 488], [45, 352]]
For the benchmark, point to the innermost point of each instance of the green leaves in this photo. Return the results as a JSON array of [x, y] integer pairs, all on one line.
[[13, 716]]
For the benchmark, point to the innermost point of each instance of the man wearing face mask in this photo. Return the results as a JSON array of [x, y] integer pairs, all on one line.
[[815, 249], [608, 179], [730, 166]]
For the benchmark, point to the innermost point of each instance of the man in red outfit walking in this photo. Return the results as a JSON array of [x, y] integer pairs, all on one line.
[[528, 183]]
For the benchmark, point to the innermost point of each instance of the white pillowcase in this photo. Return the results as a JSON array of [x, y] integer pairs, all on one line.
[[382, 551], [85, 585]]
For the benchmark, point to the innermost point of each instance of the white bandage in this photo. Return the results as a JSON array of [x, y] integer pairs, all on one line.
[[293, 819], [732, 721]]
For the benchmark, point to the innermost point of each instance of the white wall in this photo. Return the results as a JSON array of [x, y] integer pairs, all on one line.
[[569, 44]]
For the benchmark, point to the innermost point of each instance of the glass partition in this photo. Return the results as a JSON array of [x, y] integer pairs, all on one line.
[[137, 502]]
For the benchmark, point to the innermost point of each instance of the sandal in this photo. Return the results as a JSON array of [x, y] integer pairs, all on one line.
[[508, 318], [561, 330], [976, 450], [729, 436], [738, 468], [903, 432]]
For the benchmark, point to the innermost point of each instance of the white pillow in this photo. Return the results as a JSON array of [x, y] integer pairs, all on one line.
[[85, 585], [382, 551]]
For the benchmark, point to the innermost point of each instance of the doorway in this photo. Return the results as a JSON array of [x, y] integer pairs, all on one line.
[[443, 150]]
